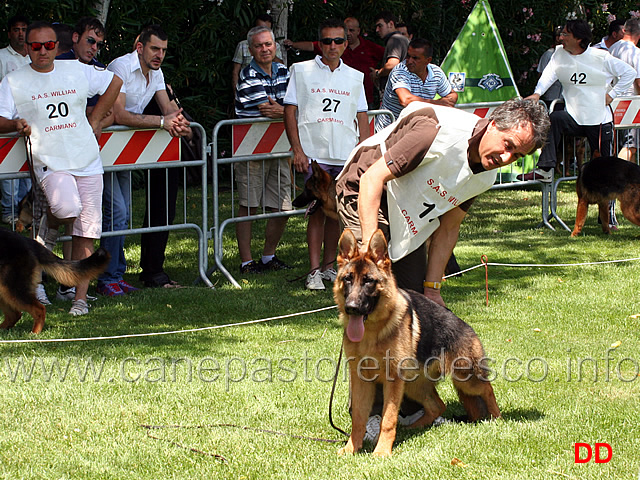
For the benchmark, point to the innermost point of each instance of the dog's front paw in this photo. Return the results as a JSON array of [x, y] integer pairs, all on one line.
[[346, 450], [381, 453]]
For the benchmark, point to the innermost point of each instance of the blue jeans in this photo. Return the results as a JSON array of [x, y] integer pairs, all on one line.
[[14, 190], [116, 199]]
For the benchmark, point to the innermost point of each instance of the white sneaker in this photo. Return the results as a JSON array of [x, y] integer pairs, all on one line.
[[66, 294], [329, 275], [69, 294], [411, 419], [41, 295], [79, 307], [314, 281], [373, 429]]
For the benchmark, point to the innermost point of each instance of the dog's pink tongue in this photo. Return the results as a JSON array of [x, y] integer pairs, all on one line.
[[355, 328]]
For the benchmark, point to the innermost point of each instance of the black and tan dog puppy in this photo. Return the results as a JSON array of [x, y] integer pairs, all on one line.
[[319, 192], [21, 263], [604, 179], [404, 341]]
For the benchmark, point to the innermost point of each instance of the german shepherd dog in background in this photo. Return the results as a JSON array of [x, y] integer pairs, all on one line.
[[21, 263], [404, 341], [319, 192], [603, 179]]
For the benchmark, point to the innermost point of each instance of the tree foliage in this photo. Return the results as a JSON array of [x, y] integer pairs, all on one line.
[[203, 33]]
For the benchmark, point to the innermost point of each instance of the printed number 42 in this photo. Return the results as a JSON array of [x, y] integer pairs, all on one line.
[[579, 78], [327, 105]]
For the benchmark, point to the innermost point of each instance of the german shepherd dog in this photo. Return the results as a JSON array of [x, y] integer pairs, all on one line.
[[319, 192], [404, 341], [603, 179], [21, 263]]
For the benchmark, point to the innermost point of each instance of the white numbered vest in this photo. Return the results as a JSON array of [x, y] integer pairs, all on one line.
[[440, 183], [327, 109], [584, 84], [54, 105]]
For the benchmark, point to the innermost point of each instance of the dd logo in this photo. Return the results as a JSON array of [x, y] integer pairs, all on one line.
[[585, 449]]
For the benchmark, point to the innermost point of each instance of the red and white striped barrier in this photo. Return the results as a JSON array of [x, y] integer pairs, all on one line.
[[126, 147], [626, 112], [269, 137]]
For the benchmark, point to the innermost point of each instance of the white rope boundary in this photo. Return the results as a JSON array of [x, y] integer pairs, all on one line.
[[290, 315]]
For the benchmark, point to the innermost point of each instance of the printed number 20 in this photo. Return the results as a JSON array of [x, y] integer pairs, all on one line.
[[579, 78], [60, 110], [327, 105]]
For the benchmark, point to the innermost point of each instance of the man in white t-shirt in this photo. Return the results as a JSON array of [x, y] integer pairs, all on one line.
[[13, 57], [585, 74], [46, 101], [142, 80], [627, 51], [325, 107]]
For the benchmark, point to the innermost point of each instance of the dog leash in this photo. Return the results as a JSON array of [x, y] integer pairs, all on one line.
[[217, 456], [333, 391], [310, 271]]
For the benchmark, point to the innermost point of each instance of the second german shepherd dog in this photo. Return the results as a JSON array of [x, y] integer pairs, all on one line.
[[404, 341], [21, 263], [603, 179], [319, 192]]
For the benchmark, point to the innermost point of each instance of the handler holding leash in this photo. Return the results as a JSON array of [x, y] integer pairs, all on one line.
[[417, 178]]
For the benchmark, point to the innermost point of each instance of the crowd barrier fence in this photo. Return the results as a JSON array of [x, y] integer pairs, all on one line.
[[129, 150]]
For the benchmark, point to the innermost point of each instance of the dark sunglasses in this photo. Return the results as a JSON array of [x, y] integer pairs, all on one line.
[[337, 40], [93, 41], [37, 46]]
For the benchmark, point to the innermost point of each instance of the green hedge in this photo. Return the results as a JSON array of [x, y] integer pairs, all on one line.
[[203, 34]]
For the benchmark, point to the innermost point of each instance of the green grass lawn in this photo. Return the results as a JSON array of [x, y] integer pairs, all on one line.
[[76, 410]]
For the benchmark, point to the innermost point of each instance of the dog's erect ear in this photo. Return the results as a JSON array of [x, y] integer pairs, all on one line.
[[315, 168], [378, 247], [347, 246]]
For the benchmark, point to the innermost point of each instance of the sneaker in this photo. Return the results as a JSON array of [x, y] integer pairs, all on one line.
[[109, 290], [329, 275], [126, 287], [537, 174], [251, 267], [314, 281], [373, 429], [9, 219], [275, 264], [41, 295], [79, 307], [411, 419], [69, 293]]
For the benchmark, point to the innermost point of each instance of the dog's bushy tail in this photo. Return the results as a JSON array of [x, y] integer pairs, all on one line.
[[71, 272]]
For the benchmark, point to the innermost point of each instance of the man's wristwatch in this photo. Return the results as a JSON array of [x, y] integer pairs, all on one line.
[[161, 122]]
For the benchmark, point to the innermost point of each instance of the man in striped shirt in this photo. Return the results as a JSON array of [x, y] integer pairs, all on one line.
[[260, 93], [415, 79], [263, 83]]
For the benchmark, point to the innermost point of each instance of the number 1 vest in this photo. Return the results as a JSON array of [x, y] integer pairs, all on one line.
[[327, 109], [54, 105]]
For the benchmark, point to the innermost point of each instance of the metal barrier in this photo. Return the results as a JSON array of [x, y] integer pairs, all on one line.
[[626, 116], [126, 149], [254, 139]]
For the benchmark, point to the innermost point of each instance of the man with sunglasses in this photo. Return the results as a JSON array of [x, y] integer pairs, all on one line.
[[325, 106], [47, 102], [13, 57], [88, 39], [361, 54]]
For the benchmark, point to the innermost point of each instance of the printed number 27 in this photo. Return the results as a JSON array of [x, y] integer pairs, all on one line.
[[327, 105]]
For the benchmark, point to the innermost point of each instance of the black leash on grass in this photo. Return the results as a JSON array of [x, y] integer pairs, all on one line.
[[305, 274], [149, 428]]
